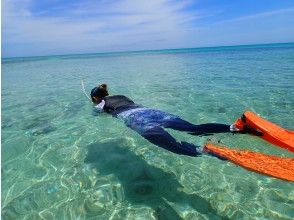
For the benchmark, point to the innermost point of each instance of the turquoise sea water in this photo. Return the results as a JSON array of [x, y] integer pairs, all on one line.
[[60, 161]]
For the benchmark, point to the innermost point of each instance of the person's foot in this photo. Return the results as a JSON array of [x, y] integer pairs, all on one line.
[[233, 128], [194, 149], [240, 126]]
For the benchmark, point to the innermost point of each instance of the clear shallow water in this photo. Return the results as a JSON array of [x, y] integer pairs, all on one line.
[[59, 161]]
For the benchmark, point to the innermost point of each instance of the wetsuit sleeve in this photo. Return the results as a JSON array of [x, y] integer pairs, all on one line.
[[100, 106]]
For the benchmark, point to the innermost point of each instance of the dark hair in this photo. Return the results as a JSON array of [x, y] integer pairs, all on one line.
[[99, 92], [104, 86]]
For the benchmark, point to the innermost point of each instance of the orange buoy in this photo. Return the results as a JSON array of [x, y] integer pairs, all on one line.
[[270, 132], [278, 167]]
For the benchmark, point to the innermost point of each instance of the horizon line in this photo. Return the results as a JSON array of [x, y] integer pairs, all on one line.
[[148, 50]]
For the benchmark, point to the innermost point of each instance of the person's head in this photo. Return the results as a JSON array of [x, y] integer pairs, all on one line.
[[99, 92]]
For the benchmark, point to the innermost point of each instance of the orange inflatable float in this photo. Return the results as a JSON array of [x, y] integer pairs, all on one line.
[[278, 167], [266, 130]]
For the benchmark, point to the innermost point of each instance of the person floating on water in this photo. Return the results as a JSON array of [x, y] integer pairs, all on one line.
[[150, 123]]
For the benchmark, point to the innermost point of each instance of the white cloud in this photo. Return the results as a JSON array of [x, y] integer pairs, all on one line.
[[265, 27], [261, 15], [91, 27]]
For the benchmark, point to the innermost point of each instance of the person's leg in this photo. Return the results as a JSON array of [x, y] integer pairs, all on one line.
[[167, 120], [182, 125], [161, 138], [147, 122]]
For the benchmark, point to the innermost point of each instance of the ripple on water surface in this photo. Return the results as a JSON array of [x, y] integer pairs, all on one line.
[[62, 161]]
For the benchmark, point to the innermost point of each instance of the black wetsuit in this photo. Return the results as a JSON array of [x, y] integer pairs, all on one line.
[[150, 124], [118, 103]]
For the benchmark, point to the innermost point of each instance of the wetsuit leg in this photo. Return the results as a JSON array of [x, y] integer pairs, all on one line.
[[182, 125], [147, 123], [161, 138]]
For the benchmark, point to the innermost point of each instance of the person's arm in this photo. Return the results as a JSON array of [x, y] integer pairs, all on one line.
[[100, 106]]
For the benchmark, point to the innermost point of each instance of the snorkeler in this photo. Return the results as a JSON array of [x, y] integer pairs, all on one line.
[[150, 123]]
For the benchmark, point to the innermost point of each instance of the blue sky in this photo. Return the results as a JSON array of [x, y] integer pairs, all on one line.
[[45, 27]]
